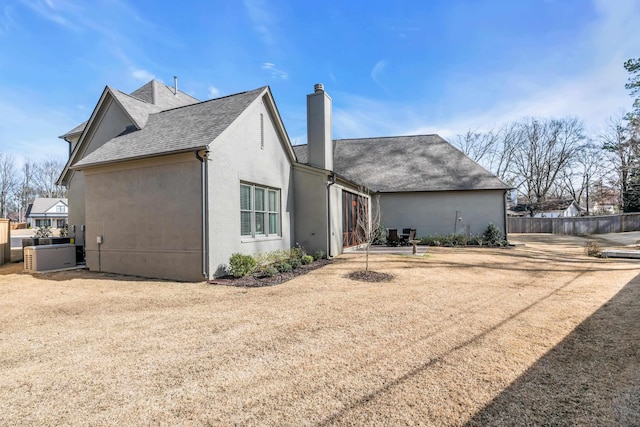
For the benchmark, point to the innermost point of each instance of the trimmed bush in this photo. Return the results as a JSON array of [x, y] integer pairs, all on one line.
[[269, 271], [307, 259], [318, 254], [283, 267], [295, 263], [240, 265], [493, 236]]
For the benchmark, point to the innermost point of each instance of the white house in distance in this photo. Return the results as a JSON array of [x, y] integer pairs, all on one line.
[[48, 212], [162, 185]]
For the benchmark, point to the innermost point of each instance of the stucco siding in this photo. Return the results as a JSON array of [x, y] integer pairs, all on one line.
[[311, 225], [110, 121], [149, 216], [435, 212], [250, 151]]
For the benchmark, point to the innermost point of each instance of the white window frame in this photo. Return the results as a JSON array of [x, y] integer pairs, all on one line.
[[266, 211]]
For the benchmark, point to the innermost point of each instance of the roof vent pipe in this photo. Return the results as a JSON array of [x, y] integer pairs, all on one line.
[[318, 87], [175, 85]]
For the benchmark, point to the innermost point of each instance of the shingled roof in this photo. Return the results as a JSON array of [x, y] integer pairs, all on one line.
[[180, 129], [407, 163], [156, 95]]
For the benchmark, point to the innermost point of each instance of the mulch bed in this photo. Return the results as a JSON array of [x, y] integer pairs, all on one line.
[[369, 276], [252, 281]]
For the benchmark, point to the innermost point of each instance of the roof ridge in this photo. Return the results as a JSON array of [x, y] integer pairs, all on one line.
[[209, 100], [390, 137]]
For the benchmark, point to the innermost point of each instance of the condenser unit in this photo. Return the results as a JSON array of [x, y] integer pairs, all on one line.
[[49, 257]]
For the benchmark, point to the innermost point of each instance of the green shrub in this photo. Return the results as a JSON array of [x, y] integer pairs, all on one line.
[[43, 232], [268, 271], [318, 254], [307, 259], [283, 267], [295, 262], [240, 265], [64, 231], [380, 237], [493, 236]]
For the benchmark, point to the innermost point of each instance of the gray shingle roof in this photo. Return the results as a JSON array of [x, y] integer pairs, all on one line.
[[42, 204], [138, 110], [155, 93], [181, 129], [407, 163], [160, 94]]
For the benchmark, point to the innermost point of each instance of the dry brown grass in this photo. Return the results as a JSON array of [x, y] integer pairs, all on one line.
[[539, 334]]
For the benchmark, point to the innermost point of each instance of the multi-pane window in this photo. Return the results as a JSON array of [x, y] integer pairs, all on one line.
[[259, 211], [61, 208]]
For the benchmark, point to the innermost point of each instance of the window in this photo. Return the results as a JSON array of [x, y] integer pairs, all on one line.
[[61, 208], [43, 222], [259, 211]]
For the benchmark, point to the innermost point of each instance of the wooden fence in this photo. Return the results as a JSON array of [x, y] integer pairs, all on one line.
[[575, 226], [5, 241]]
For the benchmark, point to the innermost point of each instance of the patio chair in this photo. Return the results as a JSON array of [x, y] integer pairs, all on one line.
[[406, 235], [392, 237]]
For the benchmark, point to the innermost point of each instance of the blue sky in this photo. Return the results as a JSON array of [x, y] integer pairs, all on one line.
[[392, 68]]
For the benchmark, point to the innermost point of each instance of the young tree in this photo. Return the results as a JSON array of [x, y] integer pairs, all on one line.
[[8, 182], [367, 223], [587, 169]]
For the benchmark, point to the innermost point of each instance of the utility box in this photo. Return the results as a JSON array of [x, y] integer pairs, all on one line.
[[49, 257]]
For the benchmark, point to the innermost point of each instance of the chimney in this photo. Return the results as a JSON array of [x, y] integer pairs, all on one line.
[[175, 85], [320, 143]]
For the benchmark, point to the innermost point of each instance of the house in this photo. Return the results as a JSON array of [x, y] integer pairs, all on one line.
[[564, 208], [48, 212], [423, 182], [172, 187]]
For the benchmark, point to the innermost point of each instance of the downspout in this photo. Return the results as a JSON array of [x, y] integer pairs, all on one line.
[[204, 202], [332, 181], [504, 205]]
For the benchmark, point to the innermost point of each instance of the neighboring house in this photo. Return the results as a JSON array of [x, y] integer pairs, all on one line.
[[549, 209], [423, 182], [48, 212], [173, 191]]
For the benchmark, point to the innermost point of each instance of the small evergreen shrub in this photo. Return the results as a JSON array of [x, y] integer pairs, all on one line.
[[318, 254], [295, 262], [493, 236], [283, 267], [307, 259], [269, 271], [380, 237], [64, 231], [240, 265]]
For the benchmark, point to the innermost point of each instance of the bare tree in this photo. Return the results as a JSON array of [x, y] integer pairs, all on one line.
[[621, 147], [367, 223], [544, 149], [45, 174], [587, 169], [493, 150], [8, 182]]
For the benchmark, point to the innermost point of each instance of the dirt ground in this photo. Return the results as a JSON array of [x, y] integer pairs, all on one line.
[[536, 334]]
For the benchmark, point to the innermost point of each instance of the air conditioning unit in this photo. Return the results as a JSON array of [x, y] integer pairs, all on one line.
[[49, 257]]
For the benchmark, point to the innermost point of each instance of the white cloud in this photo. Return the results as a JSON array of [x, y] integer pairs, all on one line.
[[214, 92], [275, 72], [593, 93], [262, 19], [376, 72], [142, 75]]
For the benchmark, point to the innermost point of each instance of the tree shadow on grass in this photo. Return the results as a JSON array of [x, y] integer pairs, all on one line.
[[591, 378]]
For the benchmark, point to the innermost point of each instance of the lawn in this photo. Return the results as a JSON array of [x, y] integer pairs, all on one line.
[[537, 334]]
